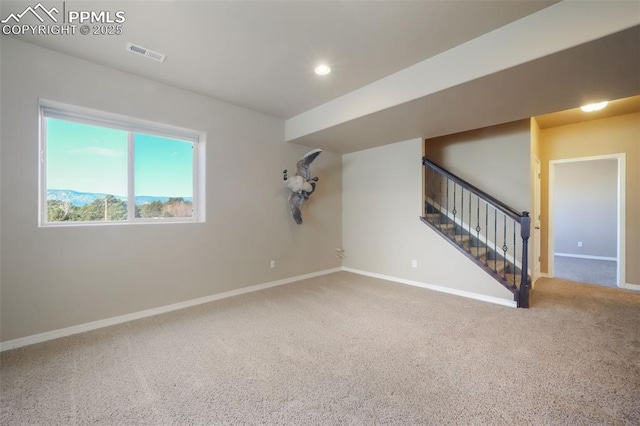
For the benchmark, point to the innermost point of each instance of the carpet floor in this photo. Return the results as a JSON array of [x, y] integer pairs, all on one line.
[[343, 349], [591, 271]]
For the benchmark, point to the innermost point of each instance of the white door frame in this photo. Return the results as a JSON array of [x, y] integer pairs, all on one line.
[[536, 221], [621, 160]]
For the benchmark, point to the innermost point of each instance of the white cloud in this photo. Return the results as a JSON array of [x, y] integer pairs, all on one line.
[[96, 150]]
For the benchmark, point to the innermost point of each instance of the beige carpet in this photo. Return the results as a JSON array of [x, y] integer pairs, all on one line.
[[344, 349]]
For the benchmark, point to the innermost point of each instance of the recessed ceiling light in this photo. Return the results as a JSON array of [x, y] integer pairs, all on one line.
[[594, 107], [322, 69]]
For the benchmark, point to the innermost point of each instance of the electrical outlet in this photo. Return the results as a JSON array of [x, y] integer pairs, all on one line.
[[273, 264], [579, 243], [414, 263]]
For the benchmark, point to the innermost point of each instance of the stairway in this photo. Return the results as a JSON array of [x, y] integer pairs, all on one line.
[[484, 236], [495, 264]]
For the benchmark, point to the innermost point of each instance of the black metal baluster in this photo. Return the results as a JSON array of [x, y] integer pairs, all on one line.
[[486, 231], [439, 209], [478, 228], [426, 191], [454, 210], [433, 191], [525, 229], [440, 200], [469, 224], [447, 209], [515, 252], [504, 246], [495, 239], [461, 213], [426, 186]]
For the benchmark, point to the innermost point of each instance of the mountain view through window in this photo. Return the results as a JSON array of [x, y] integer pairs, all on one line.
[[94, 174]]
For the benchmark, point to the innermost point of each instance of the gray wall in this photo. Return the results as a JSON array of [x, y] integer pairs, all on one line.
[[58, 277], [382, 232], [585, 208]]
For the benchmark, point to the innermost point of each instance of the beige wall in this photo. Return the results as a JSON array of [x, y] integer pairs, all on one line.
[[382, 232], [495, 159], [59, 277], [613, 135]]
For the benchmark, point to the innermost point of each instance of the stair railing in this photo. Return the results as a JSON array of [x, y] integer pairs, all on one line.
[[483, 227]]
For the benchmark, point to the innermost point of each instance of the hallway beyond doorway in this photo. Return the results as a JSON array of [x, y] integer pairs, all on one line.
[[591, 271]]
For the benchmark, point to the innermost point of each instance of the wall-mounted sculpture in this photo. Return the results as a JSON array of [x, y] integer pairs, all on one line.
[[301, 185]]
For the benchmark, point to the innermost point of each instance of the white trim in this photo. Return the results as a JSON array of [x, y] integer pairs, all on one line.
[[131, 179], [463, 293], [536, 217], [94, 117], [634, 287], [81, 328], [585, 256], [621, 184]]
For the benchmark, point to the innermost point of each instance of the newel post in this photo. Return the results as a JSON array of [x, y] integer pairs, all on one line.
[[525, 231]]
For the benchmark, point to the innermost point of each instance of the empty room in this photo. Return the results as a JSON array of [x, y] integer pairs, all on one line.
[[319, 212]]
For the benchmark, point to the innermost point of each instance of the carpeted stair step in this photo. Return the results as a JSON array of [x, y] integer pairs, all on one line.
[[518, 278], [506, 276], [445, 227], [433, 217], [495, 265], [441, 221], [477, 251], [462, 239]]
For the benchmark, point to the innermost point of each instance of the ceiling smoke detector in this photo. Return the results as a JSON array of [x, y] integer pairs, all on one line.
[[147, 53]]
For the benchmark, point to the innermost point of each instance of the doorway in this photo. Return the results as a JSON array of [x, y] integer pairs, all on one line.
[[536, 221], [586, 219]]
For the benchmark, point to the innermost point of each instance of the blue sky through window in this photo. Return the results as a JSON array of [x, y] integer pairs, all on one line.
[[163, 167], [87, 158]]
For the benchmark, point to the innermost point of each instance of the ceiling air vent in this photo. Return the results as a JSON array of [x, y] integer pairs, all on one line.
[[148, 53]]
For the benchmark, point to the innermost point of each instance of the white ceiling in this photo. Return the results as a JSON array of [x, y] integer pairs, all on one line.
[[261, 54]]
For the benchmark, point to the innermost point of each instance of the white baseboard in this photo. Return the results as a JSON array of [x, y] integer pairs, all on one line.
[[81, 328], [585, 256], [630, 286], [463, 293]]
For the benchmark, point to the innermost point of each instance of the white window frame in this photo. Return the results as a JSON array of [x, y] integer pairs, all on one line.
[[57, 110]]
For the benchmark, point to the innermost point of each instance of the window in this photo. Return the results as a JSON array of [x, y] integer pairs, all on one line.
[[98, 168]]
